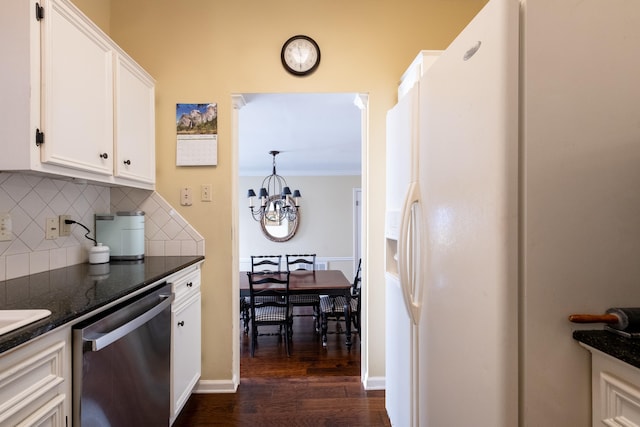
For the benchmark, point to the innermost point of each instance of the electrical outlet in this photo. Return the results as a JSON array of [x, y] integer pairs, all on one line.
[[5, 227], [186, 198], [52, 229], [205, 192], [65, 229]]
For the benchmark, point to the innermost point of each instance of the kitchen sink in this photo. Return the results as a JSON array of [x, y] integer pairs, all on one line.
[[14, 319]]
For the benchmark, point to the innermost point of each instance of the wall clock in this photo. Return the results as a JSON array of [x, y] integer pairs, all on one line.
[[300, 55]]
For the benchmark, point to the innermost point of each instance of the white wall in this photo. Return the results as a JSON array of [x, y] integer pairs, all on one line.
[[326, 222], [580, 187]]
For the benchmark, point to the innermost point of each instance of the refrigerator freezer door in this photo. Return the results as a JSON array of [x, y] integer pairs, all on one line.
[[403, 217], [469, 179], [402, 129]]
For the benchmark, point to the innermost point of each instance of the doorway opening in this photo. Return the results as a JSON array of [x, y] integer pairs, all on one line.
[[315, 136]]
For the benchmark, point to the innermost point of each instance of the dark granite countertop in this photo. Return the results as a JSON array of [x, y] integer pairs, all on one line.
[[622, 348], [78, 290]]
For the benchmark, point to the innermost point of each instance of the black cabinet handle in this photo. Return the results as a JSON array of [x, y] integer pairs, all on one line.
[[127, 162], [104, 156], [181, 323], [190, 284]]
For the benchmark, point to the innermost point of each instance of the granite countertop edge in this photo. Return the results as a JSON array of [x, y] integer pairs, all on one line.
[[58, 291], [622, 348]]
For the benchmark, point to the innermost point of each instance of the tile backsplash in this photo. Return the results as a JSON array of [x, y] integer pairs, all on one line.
[[166, 232], [31, 199]]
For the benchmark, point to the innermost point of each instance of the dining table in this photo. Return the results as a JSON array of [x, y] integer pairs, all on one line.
[[318, 282]]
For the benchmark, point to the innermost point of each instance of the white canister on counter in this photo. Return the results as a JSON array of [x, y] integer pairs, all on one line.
[[99, 254]]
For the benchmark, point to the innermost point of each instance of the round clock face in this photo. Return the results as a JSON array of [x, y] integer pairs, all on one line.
[[300, 55]]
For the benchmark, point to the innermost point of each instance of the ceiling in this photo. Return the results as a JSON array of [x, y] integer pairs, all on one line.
[[316, 134]]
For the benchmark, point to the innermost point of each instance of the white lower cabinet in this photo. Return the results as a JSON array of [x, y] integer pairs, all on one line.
[[35, 378], [35, 382], [615, 390], [186, 337], [186, 354]]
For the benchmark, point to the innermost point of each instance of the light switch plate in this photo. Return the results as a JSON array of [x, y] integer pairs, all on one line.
[[186, 198], [205, 192]]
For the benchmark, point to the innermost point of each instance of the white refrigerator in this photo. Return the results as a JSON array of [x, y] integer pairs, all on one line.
[[505, 163]]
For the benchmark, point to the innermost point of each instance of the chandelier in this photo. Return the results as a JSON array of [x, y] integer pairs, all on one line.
[[276, 201]]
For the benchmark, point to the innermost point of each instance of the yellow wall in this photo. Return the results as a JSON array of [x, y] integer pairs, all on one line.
[[205, 50], [98, 10]]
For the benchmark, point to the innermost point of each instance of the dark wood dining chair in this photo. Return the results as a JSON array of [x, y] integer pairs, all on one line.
[[332, 306], [269, 305], [259, 263], [297, 262]]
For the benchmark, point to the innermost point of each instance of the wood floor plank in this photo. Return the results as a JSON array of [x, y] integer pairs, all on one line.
[[314, 387]]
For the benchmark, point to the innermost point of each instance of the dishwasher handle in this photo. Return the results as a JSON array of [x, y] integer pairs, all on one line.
[[110, 337]]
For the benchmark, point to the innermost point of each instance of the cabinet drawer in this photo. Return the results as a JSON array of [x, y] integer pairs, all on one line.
[[615, 388], [620, 405], [185, 285], [50, 413]]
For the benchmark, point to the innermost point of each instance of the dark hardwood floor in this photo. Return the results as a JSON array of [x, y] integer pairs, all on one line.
[[313, 387]]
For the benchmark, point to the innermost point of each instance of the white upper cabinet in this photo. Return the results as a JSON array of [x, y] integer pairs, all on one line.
[[77, 93], [135, 123], [77, 105]]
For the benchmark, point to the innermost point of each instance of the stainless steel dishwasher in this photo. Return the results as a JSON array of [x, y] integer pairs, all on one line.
[[122, 364]]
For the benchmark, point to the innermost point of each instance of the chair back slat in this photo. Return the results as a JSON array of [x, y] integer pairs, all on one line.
[[266, 263], [263, 284], [301, 262]]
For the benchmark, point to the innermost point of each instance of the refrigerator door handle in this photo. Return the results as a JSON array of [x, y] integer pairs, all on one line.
[[410, 252]]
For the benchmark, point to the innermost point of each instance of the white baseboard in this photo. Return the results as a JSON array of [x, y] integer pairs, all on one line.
[[374, 383], [216, 386], [231, 386]]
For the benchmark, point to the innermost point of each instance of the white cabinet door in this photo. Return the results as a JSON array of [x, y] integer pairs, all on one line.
[[135, 122], [186, 361], [77, 86], [35, 382], [615, 390]]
